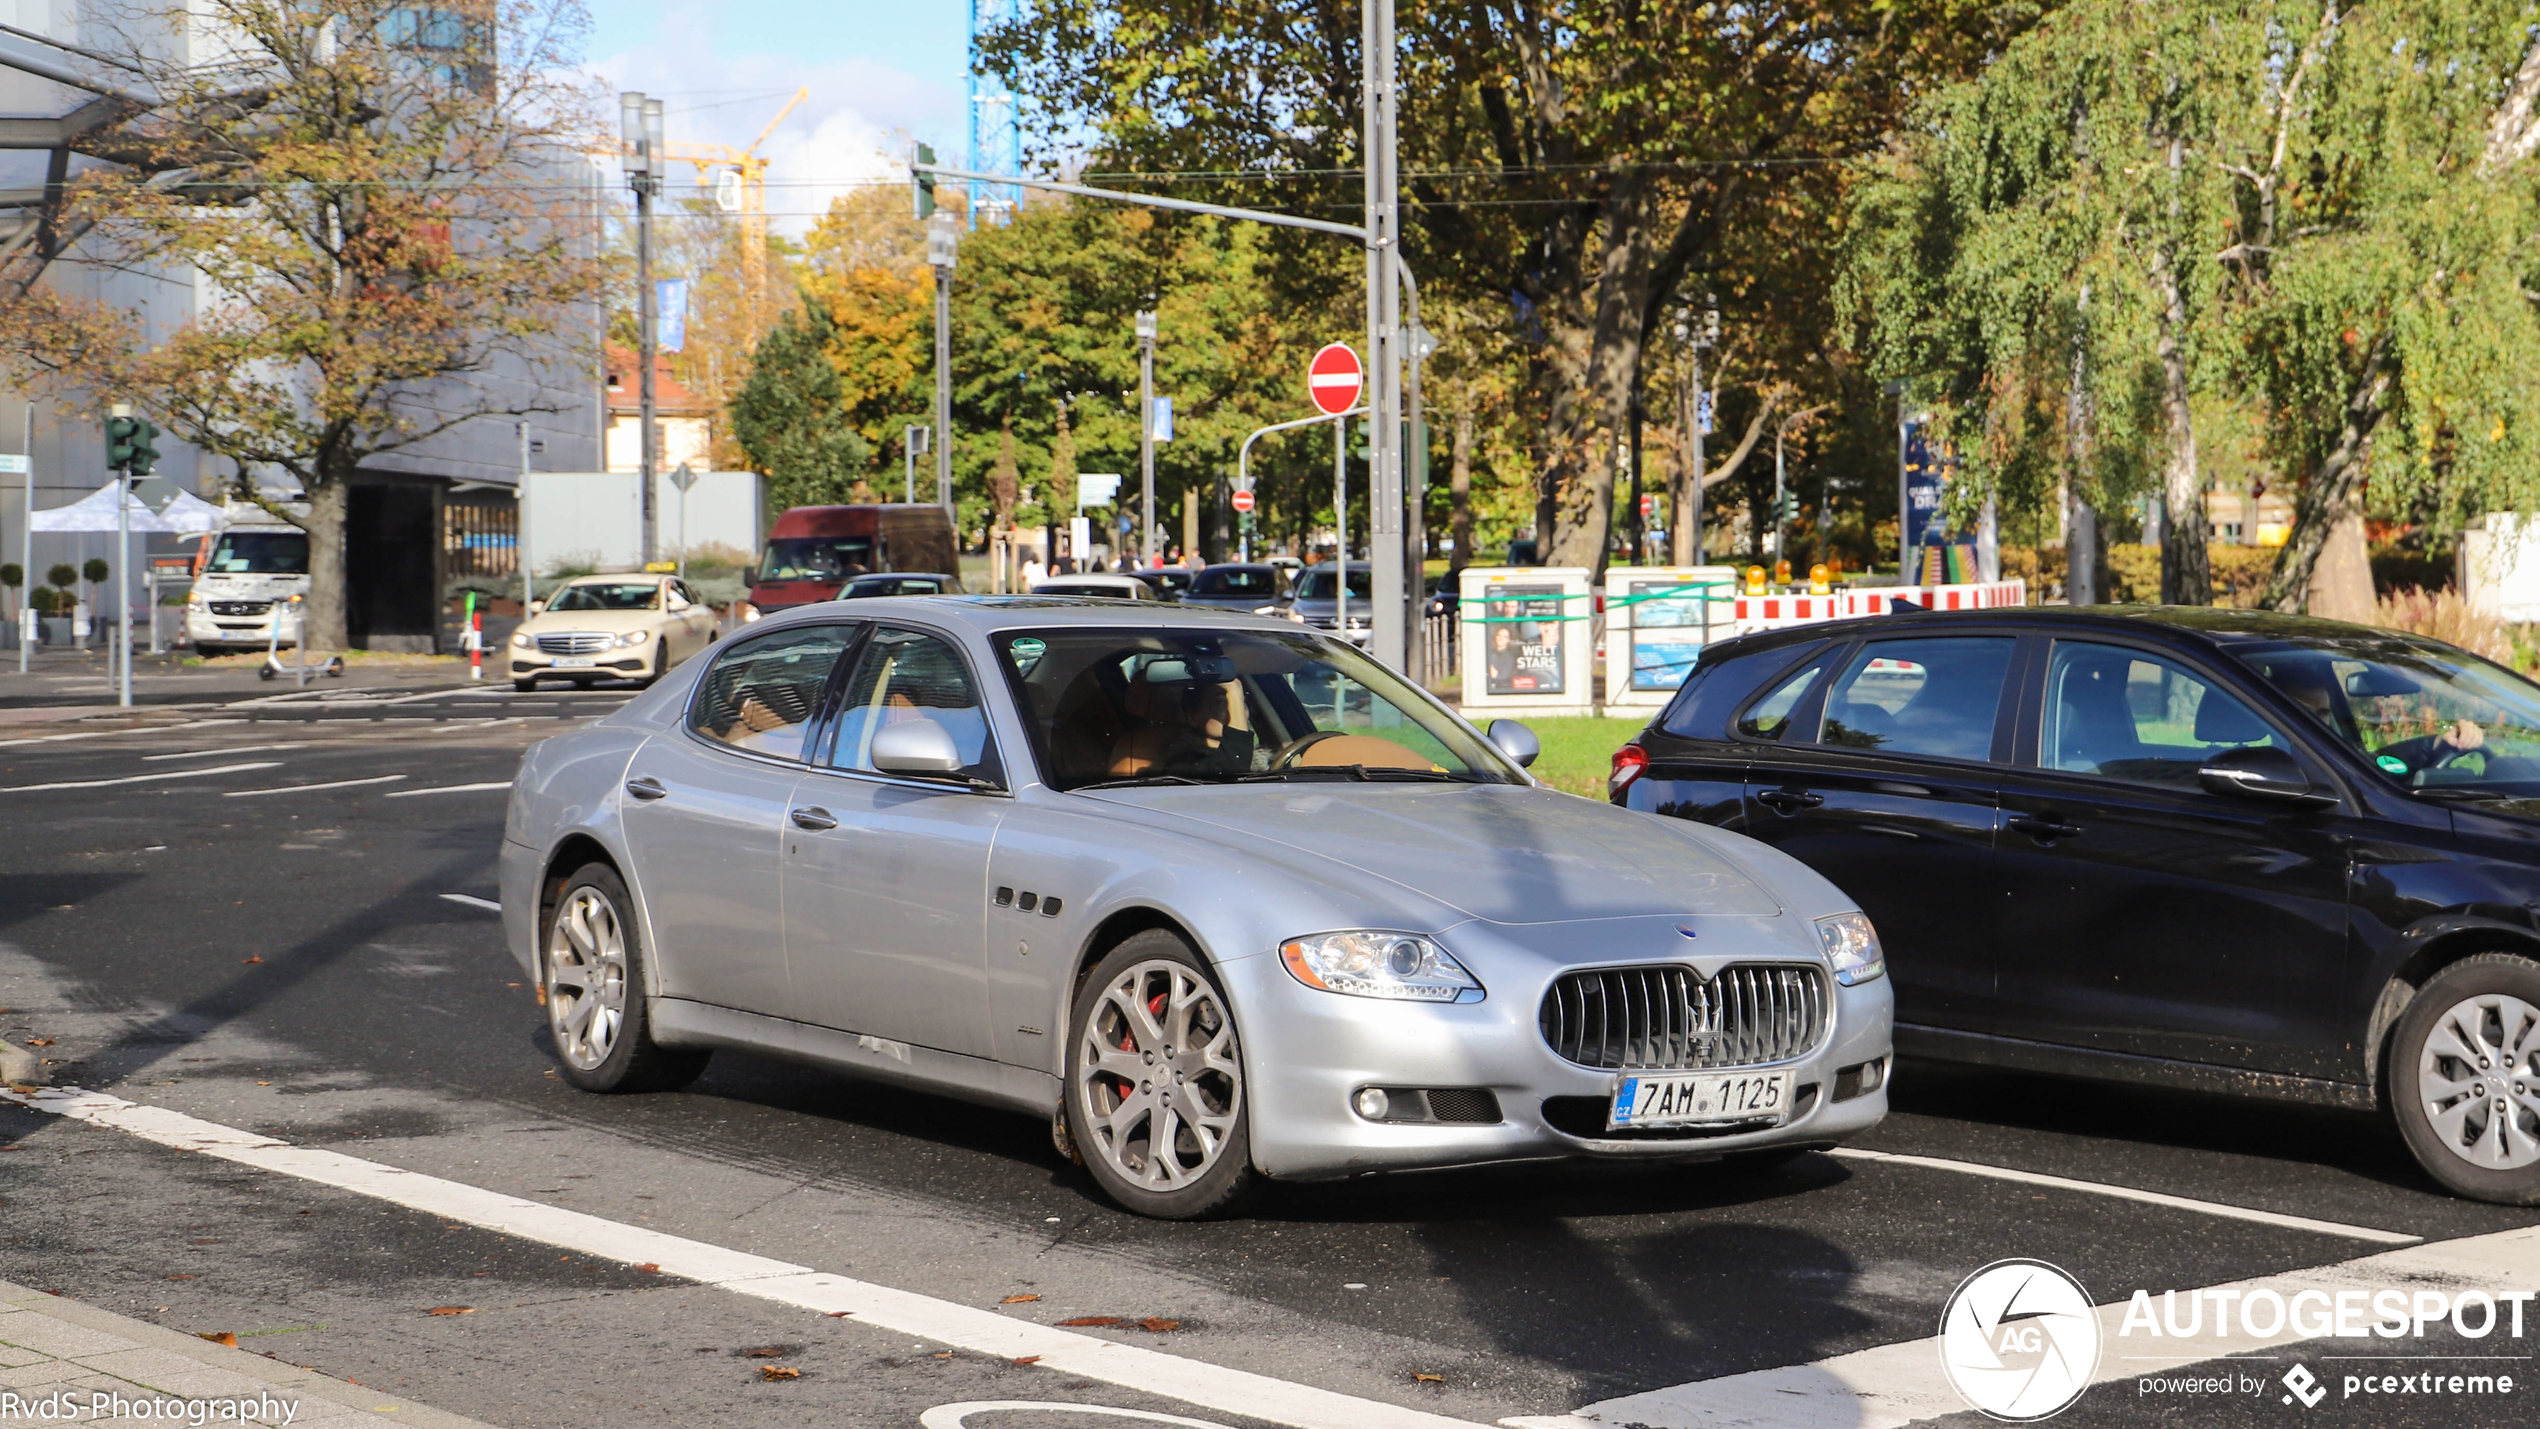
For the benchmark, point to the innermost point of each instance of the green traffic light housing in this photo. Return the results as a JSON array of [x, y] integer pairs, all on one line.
[[120, 432], [922, 183], [145, 450]]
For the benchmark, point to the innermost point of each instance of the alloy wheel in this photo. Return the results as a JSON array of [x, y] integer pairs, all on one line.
[[2479, 1081], [1162, 1080], [586, 977]]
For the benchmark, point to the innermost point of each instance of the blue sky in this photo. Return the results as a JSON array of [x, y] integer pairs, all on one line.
[[879, 73]]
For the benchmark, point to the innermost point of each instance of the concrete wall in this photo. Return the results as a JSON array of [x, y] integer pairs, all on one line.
[[589, 518]]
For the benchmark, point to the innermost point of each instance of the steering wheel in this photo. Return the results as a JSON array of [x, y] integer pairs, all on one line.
[[1289, 752]]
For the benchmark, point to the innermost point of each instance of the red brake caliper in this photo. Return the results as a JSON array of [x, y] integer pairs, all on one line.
[[1155, 1008]]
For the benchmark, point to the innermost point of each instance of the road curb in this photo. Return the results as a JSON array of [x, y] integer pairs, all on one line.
[[278, 1375]]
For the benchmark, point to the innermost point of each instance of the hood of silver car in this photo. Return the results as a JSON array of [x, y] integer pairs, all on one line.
[[1494, 851]]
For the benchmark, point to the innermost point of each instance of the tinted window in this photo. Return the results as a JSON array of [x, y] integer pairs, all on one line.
[[761, 695], [1237, 580], [1934, 697], [1318, 582], [819, 558], [1770, 717], [2429, 715], [261, 553], [903, 675], [2127, 715]]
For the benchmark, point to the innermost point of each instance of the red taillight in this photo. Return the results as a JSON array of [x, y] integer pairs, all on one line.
[[1629, 761]]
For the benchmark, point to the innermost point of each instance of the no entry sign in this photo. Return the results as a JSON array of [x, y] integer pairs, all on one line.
[[1333, 378], [1242, 501]]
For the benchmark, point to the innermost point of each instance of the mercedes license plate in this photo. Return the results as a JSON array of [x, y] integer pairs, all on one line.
[[575, 662], [1689, 1099]]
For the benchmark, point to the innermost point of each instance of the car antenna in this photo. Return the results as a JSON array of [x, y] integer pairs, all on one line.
[[1896, 603]]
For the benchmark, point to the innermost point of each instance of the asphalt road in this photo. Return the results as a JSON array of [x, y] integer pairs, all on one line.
[[271, 916]]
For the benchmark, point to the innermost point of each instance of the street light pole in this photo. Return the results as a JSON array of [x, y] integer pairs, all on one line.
[[122, 575], [1389, 635], [1150, 549], [943, 242], [640, 124]]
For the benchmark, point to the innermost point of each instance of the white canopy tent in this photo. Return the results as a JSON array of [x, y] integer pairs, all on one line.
[[188, 515]]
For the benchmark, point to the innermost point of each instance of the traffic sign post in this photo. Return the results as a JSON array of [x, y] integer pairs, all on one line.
[[1242, 502], [1334, 379]]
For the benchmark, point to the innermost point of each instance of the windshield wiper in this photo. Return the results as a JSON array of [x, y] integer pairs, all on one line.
[[1137, 781]]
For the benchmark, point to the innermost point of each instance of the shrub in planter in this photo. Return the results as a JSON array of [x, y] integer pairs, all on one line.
[[62, 577]]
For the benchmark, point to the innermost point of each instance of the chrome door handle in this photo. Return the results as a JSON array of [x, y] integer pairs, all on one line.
[[1789, 801], [646, 787], [814, 818]]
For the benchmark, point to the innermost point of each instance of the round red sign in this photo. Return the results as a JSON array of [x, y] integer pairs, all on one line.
[[1333, 378], [1242, 501]]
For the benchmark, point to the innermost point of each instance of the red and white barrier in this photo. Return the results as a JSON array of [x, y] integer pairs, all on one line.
[[1774, 612]]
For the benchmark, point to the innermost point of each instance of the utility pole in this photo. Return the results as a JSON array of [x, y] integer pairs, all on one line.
[[1146, 431], [27, 623], [520, 526], [1697, 334], [1389, 639], [943, 241], [640, 125]]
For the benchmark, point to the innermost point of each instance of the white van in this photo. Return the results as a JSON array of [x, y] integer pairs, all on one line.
[[258, 562]]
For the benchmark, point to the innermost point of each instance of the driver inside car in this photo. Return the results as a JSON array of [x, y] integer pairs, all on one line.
[[2313, 687], [1192, 719]]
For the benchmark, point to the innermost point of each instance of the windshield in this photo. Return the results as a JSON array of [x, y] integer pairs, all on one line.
[[1258, 581], [261, 553], [1317, 583], [1217, 706], [817, 558], [1167, 579], [607, 595], [2429, 716]]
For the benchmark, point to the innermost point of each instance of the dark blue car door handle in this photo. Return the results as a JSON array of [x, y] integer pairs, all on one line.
[[2045, 831], [1789, 801]]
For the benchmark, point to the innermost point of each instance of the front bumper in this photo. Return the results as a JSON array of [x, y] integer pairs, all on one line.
[[203, 627], [607, 664], [1310, 1052]]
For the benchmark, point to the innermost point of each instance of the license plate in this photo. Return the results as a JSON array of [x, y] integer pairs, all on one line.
[[575, 662], [1687, 1099]]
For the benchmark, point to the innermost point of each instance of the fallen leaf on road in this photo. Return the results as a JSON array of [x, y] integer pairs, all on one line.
[[1159, 1324], [251, 960], [180, 1277], [648, 1268], [778, 1371], [39, 1041], [1028, 1359], [223, 1338], [838, 1314], [264, 1084], [1018, 1299], [945, 1355], [1428, 1378], [766, 1353], [1092, 1320], [451, 1310]]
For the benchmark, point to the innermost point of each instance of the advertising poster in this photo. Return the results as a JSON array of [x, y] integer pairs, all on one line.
[[1669, 628], [1524, 640]]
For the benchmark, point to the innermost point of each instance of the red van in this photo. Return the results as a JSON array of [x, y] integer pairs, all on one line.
[[813, 550]]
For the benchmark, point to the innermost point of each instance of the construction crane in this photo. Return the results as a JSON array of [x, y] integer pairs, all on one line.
[[745, 193]]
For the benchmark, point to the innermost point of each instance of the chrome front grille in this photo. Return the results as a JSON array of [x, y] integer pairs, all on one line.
[[240, 607], [1669, 1017], [576, 642]]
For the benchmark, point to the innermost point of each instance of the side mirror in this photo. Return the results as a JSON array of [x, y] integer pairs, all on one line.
[[537, 606], [749, 580], [2261, 772], [1514, 740], [917, 746]]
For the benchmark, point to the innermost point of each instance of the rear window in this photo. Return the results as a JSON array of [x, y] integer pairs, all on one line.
[[1720, 683], [1238, 581]]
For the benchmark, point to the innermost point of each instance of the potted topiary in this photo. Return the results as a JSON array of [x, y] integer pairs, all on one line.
[[95, 573], [58, 622], [13, 577]]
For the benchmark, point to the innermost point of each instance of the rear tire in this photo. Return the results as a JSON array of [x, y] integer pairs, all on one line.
[[592, 958], [1153, 1011], [2465, 1078]]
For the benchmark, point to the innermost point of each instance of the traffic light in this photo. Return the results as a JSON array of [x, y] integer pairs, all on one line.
[[120, 435], [1786, 509], [922, 183], [145, 451]]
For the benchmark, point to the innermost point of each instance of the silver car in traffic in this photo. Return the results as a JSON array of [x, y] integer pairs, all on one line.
[[1219, 897]]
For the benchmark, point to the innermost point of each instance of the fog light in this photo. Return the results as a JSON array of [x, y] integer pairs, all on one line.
[[1372, 1103]]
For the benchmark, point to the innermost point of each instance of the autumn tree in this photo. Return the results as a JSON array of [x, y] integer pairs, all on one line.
[[790, 417], [377, 200]]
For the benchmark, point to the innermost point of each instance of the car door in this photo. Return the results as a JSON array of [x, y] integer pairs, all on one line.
[[686, 626], [2148, 915], [704, 811], [1876, 765], [886, 876]]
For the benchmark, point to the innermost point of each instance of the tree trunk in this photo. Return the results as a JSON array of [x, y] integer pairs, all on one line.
[[2186, 572], [1593, 338], [322, 626], [2334, 491], [2082, 554], [1459, 487], [2341, 584]]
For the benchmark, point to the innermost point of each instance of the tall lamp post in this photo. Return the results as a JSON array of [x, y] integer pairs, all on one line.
[[1146, 432], [640, 125], [943, 241]]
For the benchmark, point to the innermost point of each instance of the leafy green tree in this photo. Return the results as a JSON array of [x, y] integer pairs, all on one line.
[[788, 416]]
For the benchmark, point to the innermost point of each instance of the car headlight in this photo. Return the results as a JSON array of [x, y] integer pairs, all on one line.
[[1852, 945], [1403, 967], [520, 640], [635, 637], [196, 597]]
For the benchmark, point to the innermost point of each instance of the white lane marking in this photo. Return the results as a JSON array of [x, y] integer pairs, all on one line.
[[305, 788], [449, 789], [470, 899], [1904, 1383], [957, 1416], [103, 733], [1067, 1352], [2129, 1193], [150, 778], [208, 753]]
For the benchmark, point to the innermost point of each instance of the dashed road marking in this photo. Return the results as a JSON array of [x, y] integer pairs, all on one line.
[[208, 753], [104, 733], [470, 899], [1066, 1352], [310, 788], [2129, 1193], [154, 776], [450, 789]]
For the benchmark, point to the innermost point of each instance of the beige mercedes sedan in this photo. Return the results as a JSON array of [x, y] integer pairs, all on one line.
[[625, 627]]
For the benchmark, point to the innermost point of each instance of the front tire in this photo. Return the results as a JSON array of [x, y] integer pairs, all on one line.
[[2465, 1078], [593, 963], [1155, 1082], [524, 686]]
